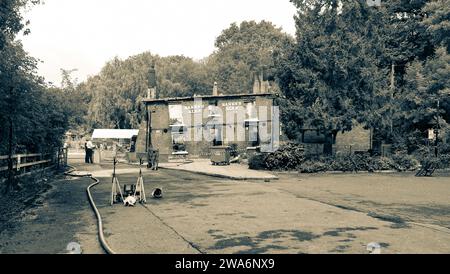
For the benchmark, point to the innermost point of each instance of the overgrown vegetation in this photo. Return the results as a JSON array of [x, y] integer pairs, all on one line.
[[13, 205], [291, 157], [386, 67], [33, 117]]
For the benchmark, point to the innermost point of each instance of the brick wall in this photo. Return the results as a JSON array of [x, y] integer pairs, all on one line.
[[161, 131], [358, 139], [140, 141]]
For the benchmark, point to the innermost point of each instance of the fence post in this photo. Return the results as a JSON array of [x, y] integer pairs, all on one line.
[[66, 156], [57, 158], [18, 163]]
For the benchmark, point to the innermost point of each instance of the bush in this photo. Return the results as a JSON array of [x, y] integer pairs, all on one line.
[[444, 160], [292, 157], [444, 148], [289, 157], [405, 162], [257, 162], [342, 163], [313, 166], [234, 150], [382, 163], [354, 162], [362, 162]]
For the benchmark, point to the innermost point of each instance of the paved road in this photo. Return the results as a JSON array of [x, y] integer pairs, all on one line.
[[400, 197], [297, 214], [209, 215]]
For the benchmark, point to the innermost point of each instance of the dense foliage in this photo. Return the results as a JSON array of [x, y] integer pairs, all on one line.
[[292, 157], [385, 67], [244, 52], [32, 116]]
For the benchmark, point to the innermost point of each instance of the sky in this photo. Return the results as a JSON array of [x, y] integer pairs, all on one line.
[[85, 34]]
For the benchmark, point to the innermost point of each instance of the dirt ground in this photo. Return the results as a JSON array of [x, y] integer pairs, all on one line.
[[61, 216], [200, 214]]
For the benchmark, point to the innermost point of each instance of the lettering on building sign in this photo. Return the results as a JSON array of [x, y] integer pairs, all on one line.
[[232, 106], [194, 109]]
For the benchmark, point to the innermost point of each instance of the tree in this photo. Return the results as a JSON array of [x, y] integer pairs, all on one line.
[[243, 52], [32, 118], [180, 76], [331, 76], [438, 22], [423, 95], [427, 84], [11, 21], [76, 100]]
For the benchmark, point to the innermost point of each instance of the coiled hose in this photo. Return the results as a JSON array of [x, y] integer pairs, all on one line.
[[101, 236]]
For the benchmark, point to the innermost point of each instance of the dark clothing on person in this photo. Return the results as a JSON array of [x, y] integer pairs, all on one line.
[[90, 156], [86, 154]]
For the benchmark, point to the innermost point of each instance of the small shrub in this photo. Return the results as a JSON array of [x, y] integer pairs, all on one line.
[[427, 157], [289, 157], [343, 163], [444, 160], [234, 150], [313, 166], [383, 163], [355, 162], [405, 162], [257, 162], [444, 148]]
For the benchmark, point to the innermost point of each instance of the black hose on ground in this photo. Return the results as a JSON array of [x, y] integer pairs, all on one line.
[[101, 236]]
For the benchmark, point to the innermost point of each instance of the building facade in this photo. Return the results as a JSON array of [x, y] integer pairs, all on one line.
[[192, 125]]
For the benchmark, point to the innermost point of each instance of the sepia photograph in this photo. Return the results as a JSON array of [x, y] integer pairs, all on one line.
[[224, 128]]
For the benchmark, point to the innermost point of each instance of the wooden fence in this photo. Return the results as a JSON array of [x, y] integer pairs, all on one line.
[[26, 163]]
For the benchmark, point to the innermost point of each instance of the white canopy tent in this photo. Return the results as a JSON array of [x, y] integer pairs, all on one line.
[[114, 133]]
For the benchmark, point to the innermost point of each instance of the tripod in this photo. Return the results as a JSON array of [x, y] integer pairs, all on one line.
[[116, 191], [139, 192]]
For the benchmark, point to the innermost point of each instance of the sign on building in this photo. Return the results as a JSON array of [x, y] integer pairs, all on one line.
[[431, 135], [374, 3]]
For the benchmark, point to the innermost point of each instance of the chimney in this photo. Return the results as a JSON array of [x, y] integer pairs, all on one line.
[[215, 90], [151, 93], [152, 82], [261, 80], [256, 85], [265, 85]]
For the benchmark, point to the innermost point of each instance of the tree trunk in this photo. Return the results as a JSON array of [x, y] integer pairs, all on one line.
[[10, 183]]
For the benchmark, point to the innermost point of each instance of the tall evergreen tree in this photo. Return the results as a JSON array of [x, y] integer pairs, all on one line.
[[333, 76]]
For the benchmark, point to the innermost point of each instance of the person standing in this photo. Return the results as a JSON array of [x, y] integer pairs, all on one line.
[[86, 156], [90, 152]]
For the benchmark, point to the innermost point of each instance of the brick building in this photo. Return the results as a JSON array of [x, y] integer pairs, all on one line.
[[192, 125], [358, 139]]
